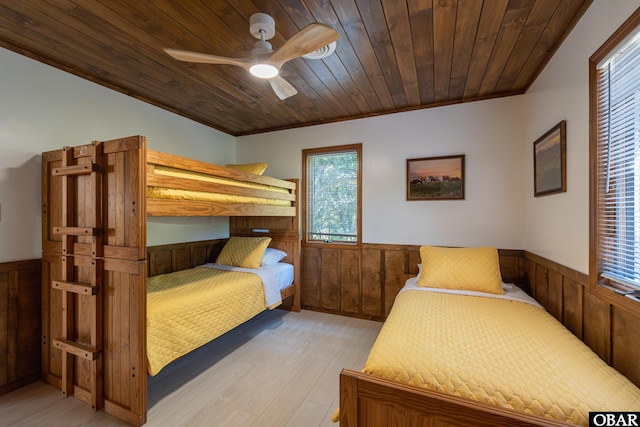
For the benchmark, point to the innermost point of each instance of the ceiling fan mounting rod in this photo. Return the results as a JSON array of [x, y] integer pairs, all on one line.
[[261, 22]]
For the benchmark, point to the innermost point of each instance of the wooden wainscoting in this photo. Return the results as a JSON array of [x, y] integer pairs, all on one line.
[[610, 331], [19, 324], [364, 281], [180, 256]]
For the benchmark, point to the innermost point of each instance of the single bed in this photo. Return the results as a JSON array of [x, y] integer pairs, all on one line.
[[189, 308], [461, 356], [95, 202]]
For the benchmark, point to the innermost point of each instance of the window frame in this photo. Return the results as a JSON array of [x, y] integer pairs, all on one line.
[[328, 150], [606, 289]]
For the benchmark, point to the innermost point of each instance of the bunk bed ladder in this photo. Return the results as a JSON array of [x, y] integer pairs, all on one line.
[[91, 285]]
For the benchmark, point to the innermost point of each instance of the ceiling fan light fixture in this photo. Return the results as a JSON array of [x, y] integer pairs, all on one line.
[[263, 71]]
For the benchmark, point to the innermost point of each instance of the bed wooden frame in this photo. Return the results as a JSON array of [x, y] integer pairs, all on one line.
[[370, 401], [95, 265]]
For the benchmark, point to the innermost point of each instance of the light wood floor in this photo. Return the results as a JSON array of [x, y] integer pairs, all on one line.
[[279, 369]]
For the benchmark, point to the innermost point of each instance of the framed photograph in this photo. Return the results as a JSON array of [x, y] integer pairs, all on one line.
[[550, 161], [435, 178]]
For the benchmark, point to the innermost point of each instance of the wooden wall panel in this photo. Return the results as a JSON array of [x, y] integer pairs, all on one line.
[[203, 254], [611, 332], [395, 265], [311, 269], [596, 327], [330, 279], [414, 260], [350, 282], [242, 225], [20, 323], [572, 307], [372, 282], [4, 329], [540, 289], [555, 294], [625, 337], [160, 262], [182, 259], [364, 282], [512, 267]]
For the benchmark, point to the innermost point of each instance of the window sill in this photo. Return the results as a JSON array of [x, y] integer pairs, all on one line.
[[337, 245], [616, 298]]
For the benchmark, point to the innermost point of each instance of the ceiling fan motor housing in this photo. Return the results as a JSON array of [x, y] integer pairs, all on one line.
[[262, 22]]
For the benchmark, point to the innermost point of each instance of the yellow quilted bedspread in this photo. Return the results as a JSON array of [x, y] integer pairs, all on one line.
[[189, 308], [506, 353], [170, 193]]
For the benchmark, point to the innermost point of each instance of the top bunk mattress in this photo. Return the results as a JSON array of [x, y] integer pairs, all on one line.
[[226, 188], [507, 353]]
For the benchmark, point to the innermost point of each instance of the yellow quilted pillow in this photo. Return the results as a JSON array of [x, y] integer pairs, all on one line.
[[243, 252], [256, 168], [471, 269]]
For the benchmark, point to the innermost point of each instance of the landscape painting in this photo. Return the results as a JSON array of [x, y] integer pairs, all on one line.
[[435, 178], [549, 162]]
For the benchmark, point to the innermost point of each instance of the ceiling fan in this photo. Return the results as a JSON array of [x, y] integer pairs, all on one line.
[[263, 61]]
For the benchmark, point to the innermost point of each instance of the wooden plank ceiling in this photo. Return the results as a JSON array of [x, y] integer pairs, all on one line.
[[392, 55]]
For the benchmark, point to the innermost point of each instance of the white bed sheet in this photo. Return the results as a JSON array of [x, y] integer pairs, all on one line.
[[511, 292], [274, 278]]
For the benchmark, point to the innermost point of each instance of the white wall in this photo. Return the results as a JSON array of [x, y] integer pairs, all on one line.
[[43, 109], [557, 226], [488, 133]]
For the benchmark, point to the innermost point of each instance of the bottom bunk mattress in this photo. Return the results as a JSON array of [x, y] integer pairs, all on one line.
[[499, 351], [187, 309]]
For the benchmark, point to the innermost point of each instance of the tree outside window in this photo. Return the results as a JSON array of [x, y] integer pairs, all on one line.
[[332, 194]]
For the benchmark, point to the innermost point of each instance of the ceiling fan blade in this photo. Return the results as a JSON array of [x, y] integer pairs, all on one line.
[[282, 88], [310, 38], [205, 58]]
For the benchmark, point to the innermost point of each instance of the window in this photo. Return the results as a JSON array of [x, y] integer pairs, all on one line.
[[615, 162], [332, 207]]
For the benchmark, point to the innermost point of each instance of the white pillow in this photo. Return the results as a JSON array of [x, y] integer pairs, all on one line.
[[272, 256]]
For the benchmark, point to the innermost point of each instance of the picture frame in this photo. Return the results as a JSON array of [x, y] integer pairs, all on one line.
[[550, 161], [436, 178]]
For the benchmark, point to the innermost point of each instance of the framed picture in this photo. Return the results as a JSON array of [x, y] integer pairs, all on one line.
[[435, 178], [550, 161]]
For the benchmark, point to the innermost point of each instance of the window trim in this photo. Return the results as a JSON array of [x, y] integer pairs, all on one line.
[[600, 288], [336, 148]]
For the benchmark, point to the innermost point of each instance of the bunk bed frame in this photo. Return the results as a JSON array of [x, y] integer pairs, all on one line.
[[95, 259]]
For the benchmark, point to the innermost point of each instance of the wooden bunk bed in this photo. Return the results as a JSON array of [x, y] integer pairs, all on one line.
[[95, 203], [451, 357]]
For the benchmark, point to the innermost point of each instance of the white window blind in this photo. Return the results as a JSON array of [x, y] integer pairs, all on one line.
[[618, 165]]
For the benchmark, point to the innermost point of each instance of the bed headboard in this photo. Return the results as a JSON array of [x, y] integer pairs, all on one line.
[[172, 257], [180, 256]]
